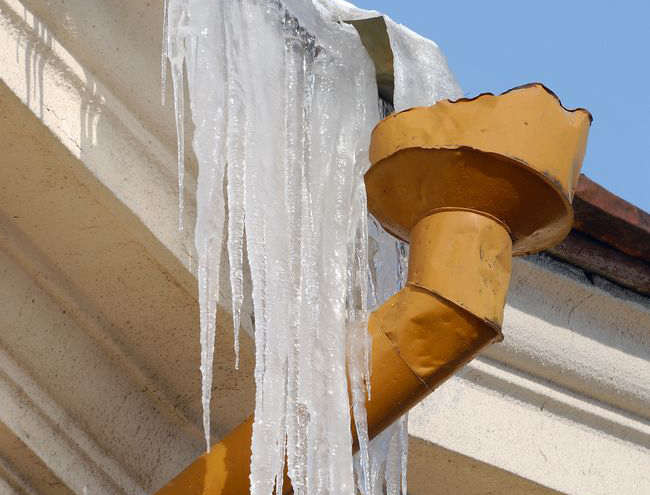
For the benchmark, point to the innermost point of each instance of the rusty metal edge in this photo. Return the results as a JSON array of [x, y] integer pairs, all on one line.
[[611, 220], [596, 258], [610, 238]]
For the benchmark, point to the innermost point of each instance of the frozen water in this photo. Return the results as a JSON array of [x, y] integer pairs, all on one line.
[[283, 98]]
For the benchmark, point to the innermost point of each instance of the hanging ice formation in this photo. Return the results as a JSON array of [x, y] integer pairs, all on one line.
[[283, 98]]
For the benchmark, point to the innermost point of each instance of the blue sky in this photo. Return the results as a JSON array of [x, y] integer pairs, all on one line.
[[592, 54]]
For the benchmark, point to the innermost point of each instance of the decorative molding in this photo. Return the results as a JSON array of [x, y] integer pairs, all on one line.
[[9, 479], [49, 278], [586, 336], [46, 429]]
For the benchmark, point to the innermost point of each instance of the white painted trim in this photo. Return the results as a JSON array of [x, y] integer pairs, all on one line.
[[521, 425], [592, 339]]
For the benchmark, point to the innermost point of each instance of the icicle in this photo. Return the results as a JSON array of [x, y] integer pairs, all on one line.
[[164, 54], [404, 449], [364, 280], [357, 335], [402, 263], [396, 458], [388, 262], [190, 44], [236, 171], [268, 156], [175, 33], [283, 99], [180, 136], [359, 342], [393, 465], [298, 65]]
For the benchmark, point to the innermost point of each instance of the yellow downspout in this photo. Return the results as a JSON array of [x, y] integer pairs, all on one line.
[[419, 337], [468, 184]]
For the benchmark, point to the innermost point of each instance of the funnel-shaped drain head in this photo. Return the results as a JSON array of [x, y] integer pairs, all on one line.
[[516, 157]]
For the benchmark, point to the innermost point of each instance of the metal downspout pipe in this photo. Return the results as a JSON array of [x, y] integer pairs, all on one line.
[[468, 184]]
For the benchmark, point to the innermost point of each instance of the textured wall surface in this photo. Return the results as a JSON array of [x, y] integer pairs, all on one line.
[[99, 380]]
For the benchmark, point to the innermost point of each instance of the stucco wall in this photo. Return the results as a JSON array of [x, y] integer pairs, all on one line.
[[99, 381]]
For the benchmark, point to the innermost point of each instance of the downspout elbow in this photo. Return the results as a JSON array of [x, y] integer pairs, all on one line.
[[449, 310]]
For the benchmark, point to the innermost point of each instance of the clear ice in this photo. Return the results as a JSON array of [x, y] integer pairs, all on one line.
[[283, 99]]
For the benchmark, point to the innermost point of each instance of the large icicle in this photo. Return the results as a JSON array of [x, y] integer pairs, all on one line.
[[283, 98], [192, 43], [236, 139]]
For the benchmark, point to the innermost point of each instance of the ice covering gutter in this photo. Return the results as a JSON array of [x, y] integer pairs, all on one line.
[[420, 72], [283, 98], [465, 183]]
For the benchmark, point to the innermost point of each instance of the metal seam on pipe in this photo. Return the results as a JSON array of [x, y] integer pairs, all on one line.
[[392, 344]]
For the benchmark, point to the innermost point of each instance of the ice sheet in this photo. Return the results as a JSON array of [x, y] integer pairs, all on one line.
[[283, 99]]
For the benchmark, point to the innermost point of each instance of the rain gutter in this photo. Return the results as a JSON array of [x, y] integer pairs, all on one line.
[[373, 34], [610, 238]]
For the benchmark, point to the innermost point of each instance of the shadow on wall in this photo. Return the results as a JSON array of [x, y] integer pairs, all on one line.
[[34, 42], [119, 44], [561, 407], [434, 470], [34, 62]]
